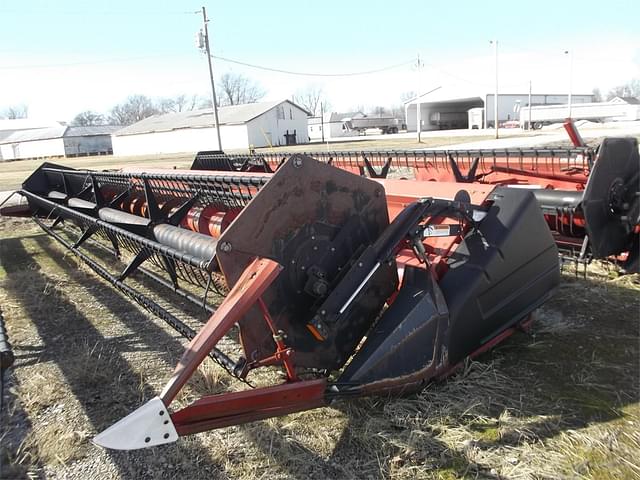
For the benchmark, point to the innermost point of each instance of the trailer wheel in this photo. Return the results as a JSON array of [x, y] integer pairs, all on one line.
[[537, 125]]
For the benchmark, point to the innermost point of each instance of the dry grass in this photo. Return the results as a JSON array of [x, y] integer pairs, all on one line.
[[562, 402], [12, 174]]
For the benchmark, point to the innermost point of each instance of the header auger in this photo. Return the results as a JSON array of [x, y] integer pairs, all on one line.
[[350, 286]]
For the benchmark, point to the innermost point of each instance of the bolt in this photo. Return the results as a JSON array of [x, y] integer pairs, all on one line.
[[360, 264], [313, 237], [225, 247], [303, 268], [323, 312], [297, 162], [293, 262], [333, 249], [315, 247]]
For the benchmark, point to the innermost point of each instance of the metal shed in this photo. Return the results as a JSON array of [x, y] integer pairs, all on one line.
[[57, 141]]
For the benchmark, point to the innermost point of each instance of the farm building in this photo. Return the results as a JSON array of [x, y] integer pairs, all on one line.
[[445, 108], [333, 125], [258, 124], [56, 141]]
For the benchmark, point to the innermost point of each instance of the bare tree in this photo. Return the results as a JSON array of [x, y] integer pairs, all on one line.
[[15, 111], [312, 99], [134, 109], [379, 110], [406, 96], [88, 118], [629, 89], [179, 103], [236, 89], [597, 94], [399, 112]]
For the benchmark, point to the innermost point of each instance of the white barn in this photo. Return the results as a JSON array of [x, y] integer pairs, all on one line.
[[57, 141], [448, 108], [241, 126]]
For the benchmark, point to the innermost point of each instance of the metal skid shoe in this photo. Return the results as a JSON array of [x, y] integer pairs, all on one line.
[[321, 281]]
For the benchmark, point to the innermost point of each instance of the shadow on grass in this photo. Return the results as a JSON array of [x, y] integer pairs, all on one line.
[[578, 366], [94, 367]]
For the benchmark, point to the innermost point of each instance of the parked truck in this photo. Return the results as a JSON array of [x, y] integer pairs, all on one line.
[[598, 112], [362, 124]]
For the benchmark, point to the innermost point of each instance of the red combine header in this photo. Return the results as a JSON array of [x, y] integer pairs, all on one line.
[[348, 285]]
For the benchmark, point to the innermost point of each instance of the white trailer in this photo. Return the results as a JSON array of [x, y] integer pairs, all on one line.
[[602, 111], [362, 124]]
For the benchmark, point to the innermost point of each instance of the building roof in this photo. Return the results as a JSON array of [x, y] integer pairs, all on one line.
[[91, 131], [230, 115], [456, 93], [26, 124], [629, 100], [57, 132]]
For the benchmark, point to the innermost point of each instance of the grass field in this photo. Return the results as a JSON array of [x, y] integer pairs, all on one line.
[[559, 402]]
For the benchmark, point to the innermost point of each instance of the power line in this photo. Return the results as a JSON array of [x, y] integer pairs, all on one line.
[[224, 59], [310, 74]]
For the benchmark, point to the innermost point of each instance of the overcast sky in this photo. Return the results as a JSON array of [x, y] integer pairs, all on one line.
[[63, 57]]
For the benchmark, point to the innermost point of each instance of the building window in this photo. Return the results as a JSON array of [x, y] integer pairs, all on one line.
[[290, 115], [280, 113]]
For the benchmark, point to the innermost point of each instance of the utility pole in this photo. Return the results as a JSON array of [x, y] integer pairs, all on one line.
[[529, 121], [322, 120], [418, 112], [495, 99], [205, 20], [570, 53]]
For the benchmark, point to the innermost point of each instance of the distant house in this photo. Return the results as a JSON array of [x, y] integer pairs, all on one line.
[[56, 141], [241, 126], [627, 100], [332, 123]]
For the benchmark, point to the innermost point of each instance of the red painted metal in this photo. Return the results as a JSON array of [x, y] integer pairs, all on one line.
[[573, 133], [283, 354], [253, 282], [234, 408]]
